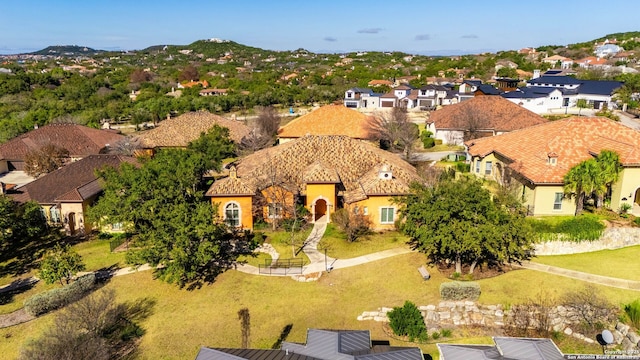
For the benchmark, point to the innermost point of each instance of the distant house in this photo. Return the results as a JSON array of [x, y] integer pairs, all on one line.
[[321, 173], [361, 98], [374, 83], [321, 345], [189, 84], [596, 93], [178, 132], [467, 89], [538, 99], [484, 115], [80, 141], [327, 120], [65, 194], [607, 50], [213, 92], [538, 157], [504, 348], [486, 89], [430, 96], [591, 62], [402, 95]]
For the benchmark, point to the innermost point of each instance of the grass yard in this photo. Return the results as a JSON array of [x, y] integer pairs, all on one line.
[[621, 263], [338, 247], [97, 255], [182, 320]]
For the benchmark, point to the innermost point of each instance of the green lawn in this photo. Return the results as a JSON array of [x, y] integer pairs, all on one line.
[[96, 255], [621, 263], [338, 247]]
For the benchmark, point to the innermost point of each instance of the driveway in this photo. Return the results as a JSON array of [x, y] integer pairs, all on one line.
[[433, 156], [628, 120]]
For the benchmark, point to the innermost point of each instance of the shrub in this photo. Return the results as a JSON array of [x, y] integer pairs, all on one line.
[[435, 335], [458, 290], [42, 303], [463, 167], [633, 312], [438, 141], [637, 221], [445, 333], [408, 321], [427, 140], [578, 228], [354, 225]]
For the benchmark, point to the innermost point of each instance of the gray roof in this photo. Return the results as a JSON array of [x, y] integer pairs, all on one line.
[[594, 87], [506, 348], [361, 90], [531, 92], [250, 354], [488, 89], [468, 352]]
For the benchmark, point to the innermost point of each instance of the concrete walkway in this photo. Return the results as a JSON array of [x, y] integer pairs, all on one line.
[[578, 275]]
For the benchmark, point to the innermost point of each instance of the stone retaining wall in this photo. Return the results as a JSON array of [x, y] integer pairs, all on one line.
[[612, 238], [452, 314]]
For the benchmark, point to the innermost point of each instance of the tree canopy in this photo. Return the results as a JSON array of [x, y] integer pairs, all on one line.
[[458, 222], [174, 226]]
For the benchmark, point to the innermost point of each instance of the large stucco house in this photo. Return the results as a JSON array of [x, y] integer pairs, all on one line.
[[538, 157], [327, 120], [322, 173]]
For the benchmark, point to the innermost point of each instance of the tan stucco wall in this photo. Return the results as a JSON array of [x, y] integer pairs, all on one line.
[[373, 205], [628, 184], [321, 191], [81, 224], [543, 197], [483, 164], [4, 166], [246, 208]]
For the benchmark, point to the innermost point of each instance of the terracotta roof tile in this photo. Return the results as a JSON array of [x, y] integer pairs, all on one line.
[[320, 173], [497, 113], [79, 140], [327, 120], [352, 160], [181, 130], [73, 182], [572, 140]]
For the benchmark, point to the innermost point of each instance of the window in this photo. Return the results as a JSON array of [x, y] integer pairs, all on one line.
[[386, 215], [365, 210], [55, 215], [232, 214], [478, 166], [116, 227], [488, 166], [557, 202], [356, 209], [275, 210]]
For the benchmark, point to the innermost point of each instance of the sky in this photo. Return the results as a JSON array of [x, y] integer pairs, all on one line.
[[432, 27]]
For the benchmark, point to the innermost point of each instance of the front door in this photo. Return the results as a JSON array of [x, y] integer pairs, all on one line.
[[320, 209], [72, 223]]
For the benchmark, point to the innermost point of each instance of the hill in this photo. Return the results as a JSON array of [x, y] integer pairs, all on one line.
[[67, 50]]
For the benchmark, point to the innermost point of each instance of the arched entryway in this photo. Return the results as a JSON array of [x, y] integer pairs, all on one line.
[[320, 209], [72, 223]]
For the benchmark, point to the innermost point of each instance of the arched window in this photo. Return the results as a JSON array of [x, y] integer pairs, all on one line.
[[232, 214]]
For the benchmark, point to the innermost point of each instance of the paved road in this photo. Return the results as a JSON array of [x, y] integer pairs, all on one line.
[[628, 120]]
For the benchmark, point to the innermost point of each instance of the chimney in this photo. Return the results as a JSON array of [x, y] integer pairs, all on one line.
[[536, 74], [385, 173]]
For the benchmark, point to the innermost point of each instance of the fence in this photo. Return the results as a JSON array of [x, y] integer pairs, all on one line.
[[281, 267]]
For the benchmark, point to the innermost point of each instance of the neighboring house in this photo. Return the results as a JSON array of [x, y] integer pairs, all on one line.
[[484, 115], [65, 194], [597, 93], [607, 50], [538, 157], [374, 83], [320, 345], [538, 99], [486, 89], [403, 95], [593, 62], [189, 84], [79, 140], [324, 173], [467, 89], [558, 61], [212, 92], [178, 132], [327, 120], [505, 348], [361, 98], [430, 96]]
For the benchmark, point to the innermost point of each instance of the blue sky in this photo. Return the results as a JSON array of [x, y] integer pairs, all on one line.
[[424, 26]]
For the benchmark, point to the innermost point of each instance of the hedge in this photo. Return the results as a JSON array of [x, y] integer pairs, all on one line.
[[47, 301], [459, 290]]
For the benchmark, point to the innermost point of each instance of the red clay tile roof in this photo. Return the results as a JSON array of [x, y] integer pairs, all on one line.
[[380, 82], [328, 120], [498, 113], [79, 140], [355, 163], [72, 183], [572, 140], [181, 130]]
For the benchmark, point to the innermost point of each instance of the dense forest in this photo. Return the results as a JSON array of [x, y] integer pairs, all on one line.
[[88, 86]]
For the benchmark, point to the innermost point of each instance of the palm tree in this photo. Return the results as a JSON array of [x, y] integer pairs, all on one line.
[[579, 182], [609, 166]]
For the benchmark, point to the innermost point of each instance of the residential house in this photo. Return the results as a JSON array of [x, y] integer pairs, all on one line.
[[486, 89], [321, 345], [467, 89], [213, 92], [322, 173], [597, 93], [482, 115], [327, 120], [558, 61], [65, 194], [591, 62], [537, 99], [505, 348], [79, 140], [430, 96], [361, 98], [188, 84], [607, 50], [402, 95], [178, 132], [538, 157], [375, 83]]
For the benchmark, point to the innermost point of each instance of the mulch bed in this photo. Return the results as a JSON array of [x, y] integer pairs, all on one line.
[[480, 272]]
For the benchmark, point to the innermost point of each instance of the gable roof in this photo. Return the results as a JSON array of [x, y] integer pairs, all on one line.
[[573, 140], [79, 140], [181, 130], [249, 354], [505, 348], [328, 120], [74, 182], [488, 89], [497, 114], [531, 92], [325, 159]]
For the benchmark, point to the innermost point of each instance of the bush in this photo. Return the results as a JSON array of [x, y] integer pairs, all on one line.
[[445, 333], [427, 140], [408, 321], [578, 228], [354, 225], [463, 167], [45, 302], [633, 312], [458, 290], [637, 221]]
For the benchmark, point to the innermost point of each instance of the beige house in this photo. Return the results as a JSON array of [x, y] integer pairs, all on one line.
[[538, 157], [327, 120]]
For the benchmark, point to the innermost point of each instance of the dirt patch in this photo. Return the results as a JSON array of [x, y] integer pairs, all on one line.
[[15, 318]]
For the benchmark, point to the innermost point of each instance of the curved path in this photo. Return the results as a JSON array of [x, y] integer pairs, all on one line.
[[578, 275]]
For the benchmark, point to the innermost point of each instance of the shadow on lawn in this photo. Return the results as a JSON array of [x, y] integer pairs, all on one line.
[[20, 258], [283, 336], [16, 287]]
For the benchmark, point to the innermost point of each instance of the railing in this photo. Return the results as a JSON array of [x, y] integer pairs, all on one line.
[[281, 267]]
